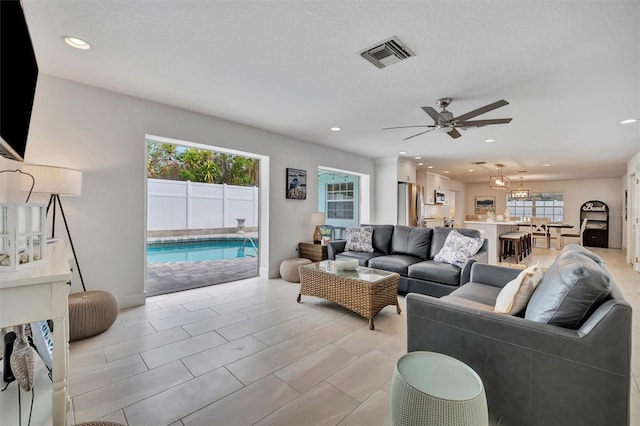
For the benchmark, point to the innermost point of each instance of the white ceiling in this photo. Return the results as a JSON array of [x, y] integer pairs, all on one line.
[[569, 69]]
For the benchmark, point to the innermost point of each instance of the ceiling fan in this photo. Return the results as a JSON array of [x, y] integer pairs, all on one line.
[[445, 122]]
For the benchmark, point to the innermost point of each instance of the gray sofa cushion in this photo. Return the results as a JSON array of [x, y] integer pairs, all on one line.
[[411, 241], [363, 257], [440, 234], [573, 287], [381, 239], [394, 263], [438, 272]]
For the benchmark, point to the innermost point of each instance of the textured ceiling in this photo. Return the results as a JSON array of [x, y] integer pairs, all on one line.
[[569, 69]]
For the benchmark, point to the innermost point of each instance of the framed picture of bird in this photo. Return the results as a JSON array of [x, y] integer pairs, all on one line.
[[296, 184]]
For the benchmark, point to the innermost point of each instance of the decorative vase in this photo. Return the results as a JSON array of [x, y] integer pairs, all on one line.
[[240, 225]]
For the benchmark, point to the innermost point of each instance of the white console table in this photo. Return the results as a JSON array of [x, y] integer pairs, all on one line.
[[41, 293]]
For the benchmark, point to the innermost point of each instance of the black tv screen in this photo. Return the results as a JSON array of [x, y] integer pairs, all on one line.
[[18, 78]]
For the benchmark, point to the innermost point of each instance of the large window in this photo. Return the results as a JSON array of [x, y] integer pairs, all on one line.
[[541, 204], [340, 200]]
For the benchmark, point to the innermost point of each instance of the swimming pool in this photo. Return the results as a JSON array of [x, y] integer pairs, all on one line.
[[193, 251]]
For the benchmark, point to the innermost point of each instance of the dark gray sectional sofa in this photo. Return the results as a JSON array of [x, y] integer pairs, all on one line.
[[409, 251], [564, 360]]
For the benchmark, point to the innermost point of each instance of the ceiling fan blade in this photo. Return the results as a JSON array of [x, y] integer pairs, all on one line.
[[454, 133], [480, 110], [406, 127], [417, 134], [479, 123], [433, 114]]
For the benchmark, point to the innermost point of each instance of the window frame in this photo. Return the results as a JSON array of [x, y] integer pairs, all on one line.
[[541, 204], [344, 195]]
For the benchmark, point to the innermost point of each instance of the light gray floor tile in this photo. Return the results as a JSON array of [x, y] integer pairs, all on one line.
[[362, 340], [375, 411], [182, 319], [246, 406], [363, 377], [100, 402], [83, 359], [116, 417], [143, 343], [291, 328], [115, 334], [182, 400], [214, 323], [323, 405], [82, 380], [262, 322], [258, 365], [181, 349], [327, 333], [219, 356], [307, 372], [136, 316]]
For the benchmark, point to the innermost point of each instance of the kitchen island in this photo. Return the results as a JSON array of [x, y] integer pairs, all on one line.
[[492, 231]]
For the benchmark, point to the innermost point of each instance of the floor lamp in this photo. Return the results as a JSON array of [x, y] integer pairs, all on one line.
[[56, 181]]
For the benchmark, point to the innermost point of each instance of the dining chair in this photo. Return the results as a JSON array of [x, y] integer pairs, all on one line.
[[579, 236], [540, 230]]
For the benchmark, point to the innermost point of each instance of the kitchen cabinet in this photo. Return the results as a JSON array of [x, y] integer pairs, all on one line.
[[436, 183], [406, 172]]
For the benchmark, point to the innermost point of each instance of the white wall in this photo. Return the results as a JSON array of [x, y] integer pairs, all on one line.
[[103, 133], [576, 192], [385, 200]]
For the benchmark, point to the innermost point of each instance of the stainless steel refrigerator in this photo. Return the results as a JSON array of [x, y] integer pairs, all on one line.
[[410, 204]]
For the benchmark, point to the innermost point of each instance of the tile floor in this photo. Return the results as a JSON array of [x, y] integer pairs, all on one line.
[[245, 353]]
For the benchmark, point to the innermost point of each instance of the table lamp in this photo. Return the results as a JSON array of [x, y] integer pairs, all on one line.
[[317, 219], [56, 181]]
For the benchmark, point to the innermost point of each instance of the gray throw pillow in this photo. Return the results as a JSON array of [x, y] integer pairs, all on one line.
[[571, 289]]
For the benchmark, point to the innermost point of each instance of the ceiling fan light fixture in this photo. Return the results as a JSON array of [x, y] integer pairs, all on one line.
[[500, 181]]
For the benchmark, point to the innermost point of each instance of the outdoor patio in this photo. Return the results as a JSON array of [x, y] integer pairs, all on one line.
[[177, 276]]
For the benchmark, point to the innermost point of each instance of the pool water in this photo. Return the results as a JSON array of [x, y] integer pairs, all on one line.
[[198, 251]]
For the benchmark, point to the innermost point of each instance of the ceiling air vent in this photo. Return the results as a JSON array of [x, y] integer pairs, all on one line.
[[387, 53]]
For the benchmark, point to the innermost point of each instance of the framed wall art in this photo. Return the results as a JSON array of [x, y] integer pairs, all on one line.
[[485, 204], [296, 184]]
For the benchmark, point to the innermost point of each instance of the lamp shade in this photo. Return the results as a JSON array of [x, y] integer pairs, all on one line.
[[52, 180], [317, 218]]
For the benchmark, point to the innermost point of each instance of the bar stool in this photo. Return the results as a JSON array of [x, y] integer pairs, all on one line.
[[511, 245]]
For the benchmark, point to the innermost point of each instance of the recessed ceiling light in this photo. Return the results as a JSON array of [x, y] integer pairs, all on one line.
[[446, 171], [429, 167], [420, 164], [546, 165], [470, 170], [402, 152], [629, 121], [489, 140], [417, 158], [76, 42]]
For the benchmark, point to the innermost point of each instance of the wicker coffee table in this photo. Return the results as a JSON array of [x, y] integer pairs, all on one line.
[[364, 291]]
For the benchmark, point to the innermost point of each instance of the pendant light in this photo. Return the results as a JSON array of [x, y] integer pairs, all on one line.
[[521, 193], [499, 182]]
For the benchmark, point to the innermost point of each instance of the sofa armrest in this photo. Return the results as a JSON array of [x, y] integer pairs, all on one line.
[[481, 256], [335, 247], [494, 275]]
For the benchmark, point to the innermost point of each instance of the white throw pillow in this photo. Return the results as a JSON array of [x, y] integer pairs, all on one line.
[[515, 295], [359, 239], [458, 248]]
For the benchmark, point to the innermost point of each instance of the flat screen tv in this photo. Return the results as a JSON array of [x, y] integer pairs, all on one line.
[[18, 78]]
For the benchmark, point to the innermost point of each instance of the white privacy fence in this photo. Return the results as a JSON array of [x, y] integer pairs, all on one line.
[[173, 204]]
